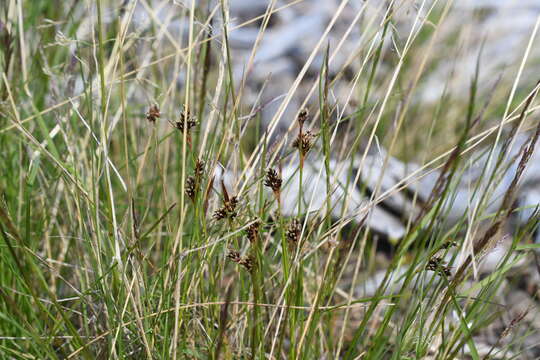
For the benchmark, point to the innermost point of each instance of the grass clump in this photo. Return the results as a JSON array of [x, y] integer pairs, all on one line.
[[132, 230]]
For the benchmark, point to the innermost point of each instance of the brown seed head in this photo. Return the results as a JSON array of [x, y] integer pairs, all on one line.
[[230, 206], [186, 121], [253, 232], [273, 180], [220, 214], [199, 169], [247, 262], [437, 264], [303, 115], [304, 143], [293, 231], [234, 255], [228, 209], [153, 113], [191, 187]]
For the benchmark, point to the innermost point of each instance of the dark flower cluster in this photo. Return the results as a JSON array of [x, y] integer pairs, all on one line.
[[273, 181], [253, 232], [186, 121], [247, 262], [193, 183], [227, 210], [153, 114], [293, 232], [303, 142], [437, 264]]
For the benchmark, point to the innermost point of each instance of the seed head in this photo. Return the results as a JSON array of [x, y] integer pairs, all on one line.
[[228, 209], [437, 264], [193, 183], [253, 231], [220, 214], [186, 121], [293, 231], [191, 187], [153, 113], [303, 115], [247, 262], [234, 255], [304, 143], [230, 205], [199, 169], [273, 180]]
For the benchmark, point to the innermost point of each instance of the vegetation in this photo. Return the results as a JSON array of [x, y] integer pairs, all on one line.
[[122, 237]]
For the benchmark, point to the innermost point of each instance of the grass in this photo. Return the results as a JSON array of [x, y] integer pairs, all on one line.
[[119, 239]]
